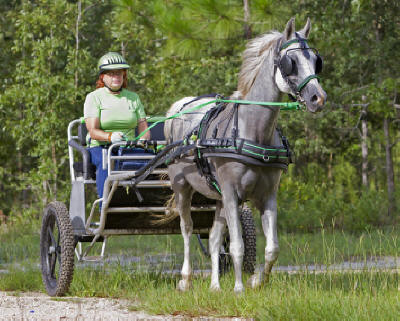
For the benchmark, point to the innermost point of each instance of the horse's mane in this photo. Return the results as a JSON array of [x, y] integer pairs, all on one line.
[[257, 50]]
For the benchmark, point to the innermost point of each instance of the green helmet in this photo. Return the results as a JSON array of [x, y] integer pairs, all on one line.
[[111, 61]]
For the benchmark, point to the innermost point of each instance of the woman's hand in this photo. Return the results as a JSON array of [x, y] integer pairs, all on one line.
[[116, 137], [93, 126]]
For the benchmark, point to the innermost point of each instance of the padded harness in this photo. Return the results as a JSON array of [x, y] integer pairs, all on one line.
[[235, 147]]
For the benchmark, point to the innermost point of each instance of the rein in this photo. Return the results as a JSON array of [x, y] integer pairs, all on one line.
[[283, 106]]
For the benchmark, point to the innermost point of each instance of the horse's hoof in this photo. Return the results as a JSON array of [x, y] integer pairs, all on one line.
[[254, 281], [238, 289], [183, 285], [215, 288]]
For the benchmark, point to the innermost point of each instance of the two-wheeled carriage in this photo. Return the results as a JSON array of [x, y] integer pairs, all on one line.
[[135, 202]]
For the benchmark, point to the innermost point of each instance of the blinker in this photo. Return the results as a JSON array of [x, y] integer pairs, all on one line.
[[287, 64]]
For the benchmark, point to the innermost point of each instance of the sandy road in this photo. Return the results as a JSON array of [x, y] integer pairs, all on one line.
[[35, 306]]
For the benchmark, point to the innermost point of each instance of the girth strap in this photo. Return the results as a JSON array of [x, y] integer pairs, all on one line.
[[240, 146]]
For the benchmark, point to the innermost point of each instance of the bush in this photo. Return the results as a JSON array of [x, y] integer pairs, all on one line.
[[307, 206]]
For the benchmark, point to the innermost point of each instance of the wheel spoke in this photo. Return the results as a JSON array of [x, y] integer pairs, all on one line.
[[50, 233], [53, 265], [54, 251], [58, 254]]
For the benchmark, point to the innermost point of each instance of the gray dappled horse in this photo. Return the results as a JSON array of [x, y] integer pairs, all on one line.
[[273, 64]]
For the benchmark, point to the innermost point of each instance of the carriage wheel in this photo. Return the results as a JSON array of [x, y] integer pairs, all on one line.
[[56, 249], [249, 241]]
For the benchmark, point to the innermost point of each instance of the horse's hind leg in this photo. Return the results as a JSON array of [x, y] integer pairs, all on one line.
[[269, 224], [183, 201], [215, 242]]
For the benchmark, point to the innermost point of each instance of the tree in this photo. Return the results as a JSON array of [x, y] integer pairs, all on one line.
[[359, 47], [44, 92]]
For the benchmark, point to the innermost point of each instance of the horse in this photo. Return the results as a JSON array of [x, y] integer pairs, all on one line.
[[273, 64]]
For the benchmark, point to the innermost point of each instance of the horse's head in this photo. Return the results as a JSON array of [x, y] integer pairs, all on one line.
[[297, 66]]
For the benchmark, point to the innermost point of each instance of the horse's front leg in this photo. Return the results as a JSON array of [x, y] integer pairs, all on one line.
[[269, 225], [236, 247], [183, 201], [215, 242]]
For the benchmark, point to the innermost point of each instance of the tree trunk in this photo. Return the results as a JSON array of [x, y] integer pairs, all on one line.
[[55, 176], [389, 170], [78, 20], [364, 148], [247, 28], [123, 49]]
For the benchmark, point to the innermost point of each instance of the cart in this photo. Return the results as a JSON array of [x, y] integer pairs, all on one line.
[[135, 202]]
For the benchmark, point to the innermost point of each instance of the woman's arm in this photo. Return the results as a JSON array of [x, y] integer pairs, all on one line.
[[93, 127], [142, 126]]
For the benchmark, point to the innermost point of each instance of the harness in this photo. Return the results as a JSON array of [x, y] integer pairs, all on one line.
[[235, 147]]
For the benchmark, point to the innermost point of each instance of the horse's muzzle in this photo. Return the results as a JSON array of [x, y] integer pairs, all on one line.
[[315, 98]]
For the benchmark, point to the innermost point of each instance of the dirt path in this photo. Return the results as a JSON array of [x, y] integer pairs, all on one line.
[[35, 306]]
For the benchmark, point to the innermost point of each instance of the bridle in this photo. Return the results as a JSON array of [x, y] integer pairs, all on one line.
[[285, 64]]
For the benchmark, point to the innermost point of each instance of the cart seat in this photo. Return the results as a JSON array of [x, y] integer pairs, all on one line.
[[132, 164], [88, 170]]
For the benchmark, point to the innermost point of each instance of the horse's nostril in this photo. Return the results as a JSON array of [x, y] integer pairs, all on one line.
[[317, 100]]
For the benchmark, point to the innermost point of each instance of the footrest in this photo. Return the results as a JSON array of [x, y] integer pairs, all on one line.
[[87, 238], [92, 258]]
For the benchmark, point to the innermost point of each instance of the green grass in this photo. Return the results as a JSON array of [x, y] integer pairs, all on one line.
[[333, 296], [21, 243], [367, 295]]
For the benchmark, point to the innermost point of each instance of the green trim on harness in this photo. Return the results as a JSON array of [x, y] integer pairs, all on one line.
[[276, 149]]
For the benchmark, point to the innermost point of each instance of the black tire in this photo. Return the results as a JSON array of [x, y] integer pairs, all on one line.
[[249, 241], [56, 249]]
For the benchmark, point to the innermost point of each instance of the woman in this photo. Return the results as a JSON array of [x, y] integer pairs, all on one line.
[[111, 112]]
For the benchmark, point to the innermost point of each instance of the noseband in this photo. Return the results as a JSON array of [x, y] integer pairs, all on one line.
[[285, 64]]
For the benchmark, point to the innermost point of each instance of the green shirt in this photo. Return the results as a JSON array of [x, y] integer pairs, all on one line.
[[116, 112]]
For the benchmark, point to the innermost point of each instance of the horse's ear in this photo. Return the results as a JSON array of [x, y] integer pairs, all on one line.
[[290, 29], [306, 30]]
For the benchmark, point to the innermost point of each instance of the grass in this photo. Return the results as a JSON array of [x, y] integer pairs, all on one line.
[[365, 295], [304, 296]]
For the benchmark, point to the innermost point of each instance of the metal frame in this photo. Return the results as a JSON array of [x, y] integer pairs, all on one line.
[[84, 226]]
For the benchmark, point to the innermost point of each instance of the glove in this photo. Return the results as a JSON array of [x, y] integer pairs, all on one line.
[[116, 137]]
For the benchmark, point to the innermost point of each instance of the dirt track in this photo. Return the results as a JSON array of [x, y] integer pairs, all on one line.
[[40, 307]]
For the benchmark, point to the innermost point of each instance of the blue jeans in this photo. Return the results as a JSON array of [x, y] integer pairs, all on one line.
[[96, 155]]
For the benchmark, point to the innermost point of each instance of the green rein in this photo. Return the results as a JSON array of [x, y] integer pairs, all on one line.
[[283, 106]]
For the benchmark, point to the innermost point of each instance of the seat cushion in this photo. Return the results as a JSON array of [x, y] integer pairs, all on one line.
[[132, 164]]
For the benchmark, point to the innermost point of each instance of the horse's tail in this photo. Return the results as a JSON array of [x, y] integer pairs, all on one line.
[[171, 213]]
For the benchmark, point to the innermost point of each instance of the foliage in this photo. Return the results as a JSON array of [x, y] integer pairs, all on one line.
[[186, 48]]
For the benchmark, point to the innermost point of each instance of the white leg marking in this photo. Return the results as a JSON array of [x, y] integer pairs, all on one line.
[[215, 242], [183, 206], [236, 248]]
